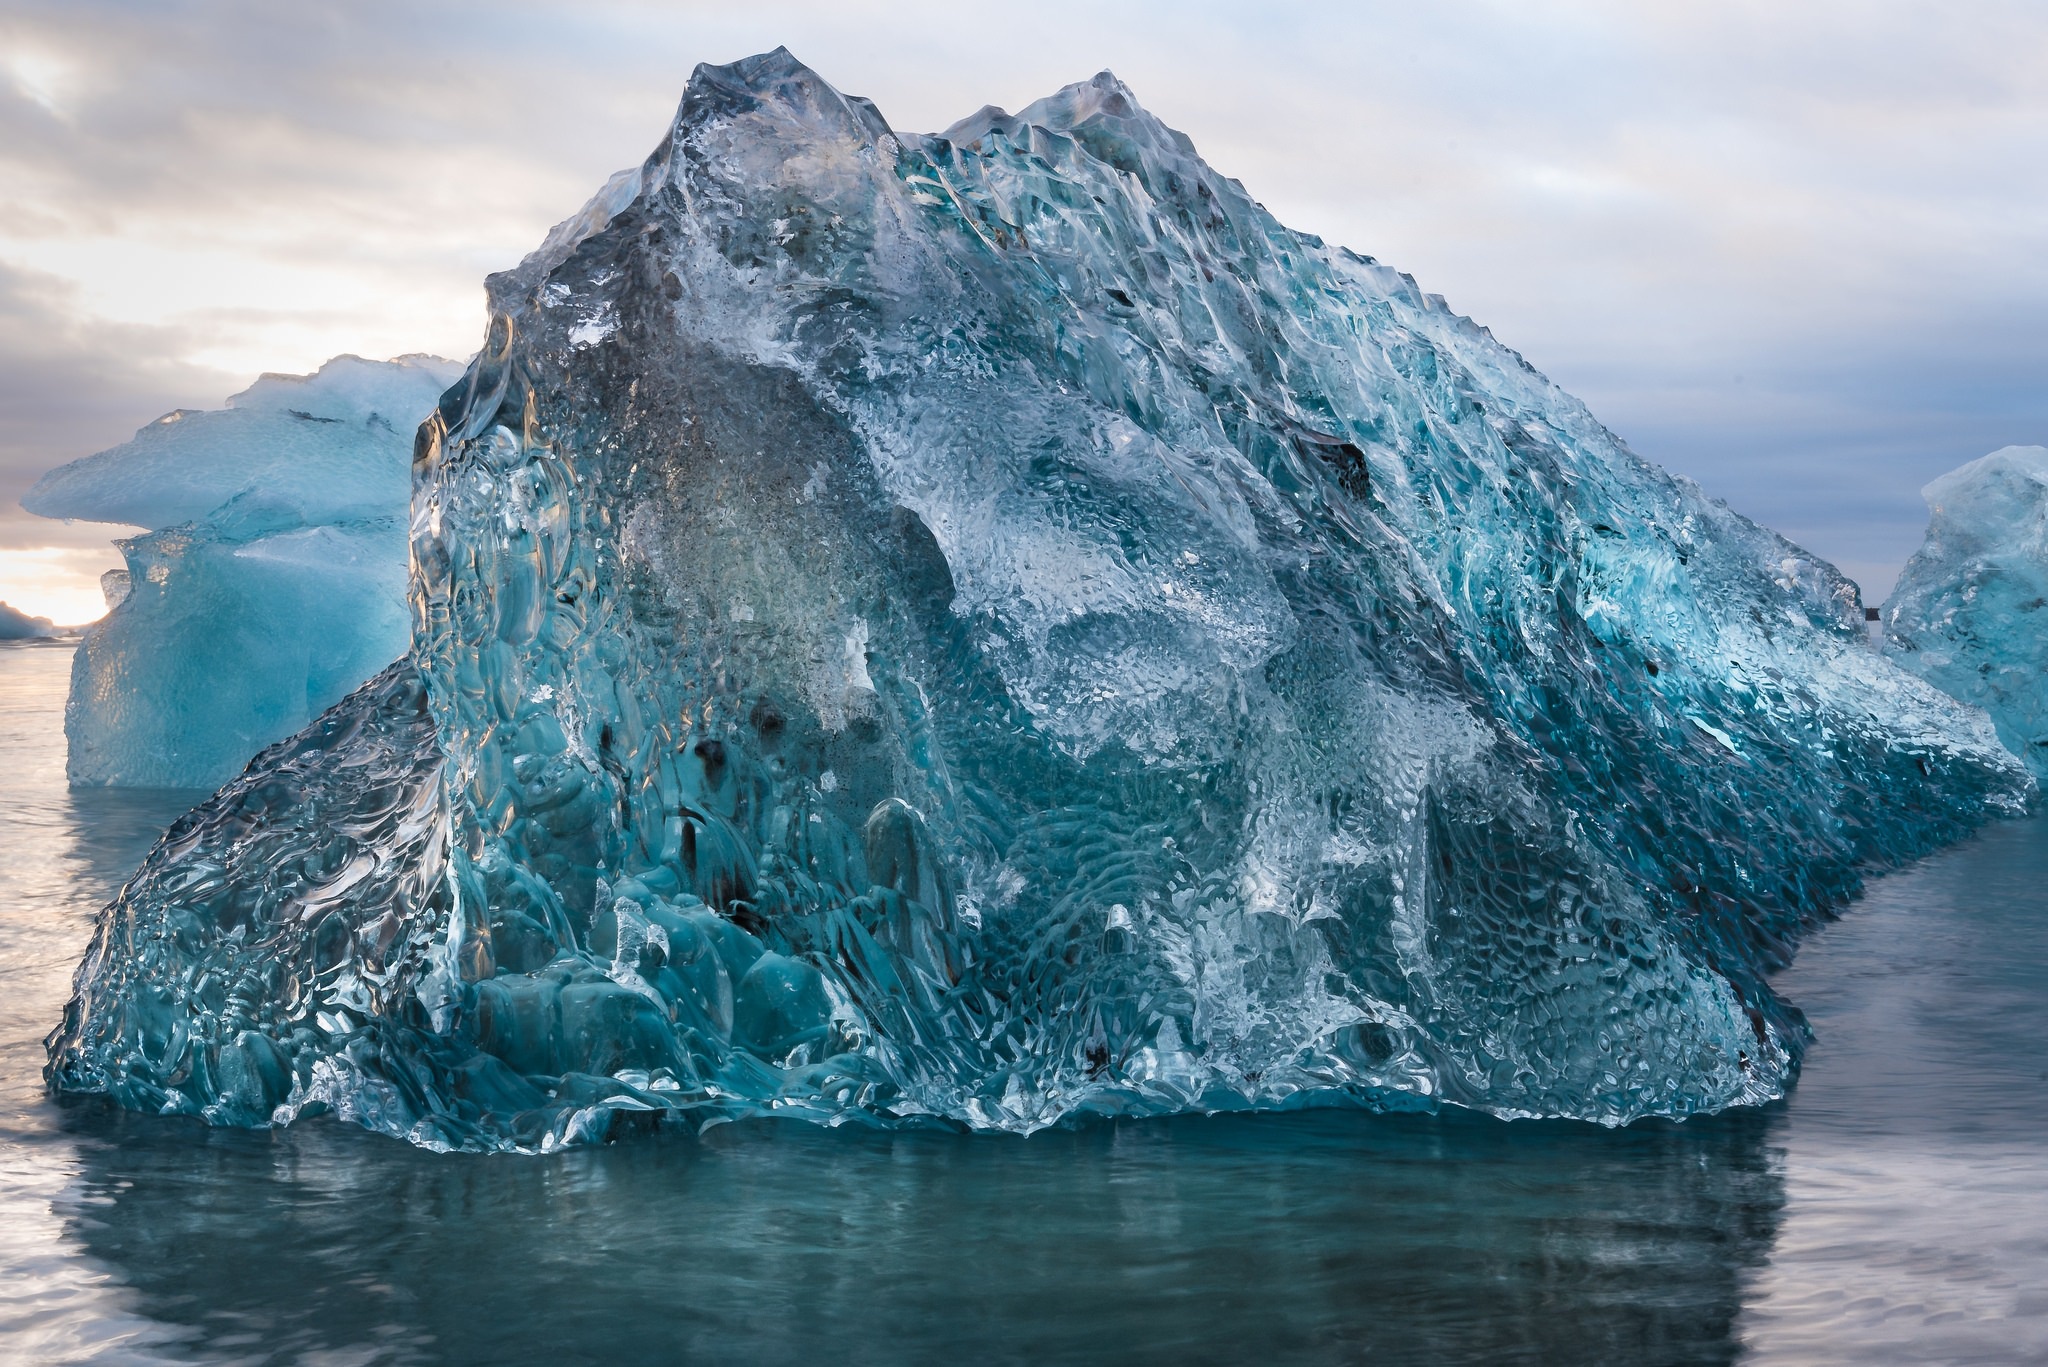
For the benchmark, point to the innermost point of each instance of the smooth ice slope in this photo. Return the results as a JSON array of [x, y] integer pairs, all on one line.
[[1970, 613], [991, 629], [271, 582], [16, 625]]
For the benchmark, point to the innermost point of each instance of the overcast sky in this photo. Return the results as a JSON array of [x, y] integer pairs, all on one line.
[[1797, 251]]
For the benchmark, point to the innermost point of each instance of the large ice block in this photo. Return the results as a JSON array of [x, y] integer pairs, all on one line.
[[272, 580], [992, 629], [1970, 613]]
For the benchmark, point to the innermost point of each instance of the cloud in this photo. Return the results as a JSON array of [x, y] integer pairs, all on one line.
[[71, 385], [1793, 251]]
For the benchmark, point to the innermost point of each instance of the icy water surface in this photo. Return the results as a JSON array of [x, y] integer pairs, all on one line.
[[1893, 1211]]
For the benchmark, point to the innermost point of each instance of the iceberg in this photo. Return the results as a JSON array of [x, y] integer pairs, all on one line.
[[16, 625], [1968, 612], [992, 629], [271, 580]]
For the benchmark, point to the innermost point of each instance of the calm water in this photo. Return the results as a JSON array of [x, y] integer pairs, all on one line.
[[1896, 1210]]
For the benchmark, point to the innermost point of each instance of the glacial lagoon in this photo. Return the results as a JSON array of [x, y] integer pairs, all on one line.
[[1894, 1209]]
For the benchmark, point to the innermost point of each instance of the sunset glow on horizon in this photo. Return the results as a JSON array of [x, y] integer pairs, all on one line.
[[60, 583]]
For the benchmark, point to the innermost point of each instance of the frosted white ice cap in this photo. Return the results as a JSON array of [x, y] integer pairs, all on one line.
[[1993, 498], [2020, 462], [295, 436]]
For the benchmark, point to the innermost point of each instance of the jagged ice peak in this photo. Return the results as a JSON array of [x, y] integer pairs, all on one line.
[[992, 629]]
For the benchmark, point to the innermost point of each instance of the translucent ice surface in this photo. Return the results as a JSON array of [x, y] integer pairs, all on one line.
[[991, 629], [271, 581], [1970, 613]]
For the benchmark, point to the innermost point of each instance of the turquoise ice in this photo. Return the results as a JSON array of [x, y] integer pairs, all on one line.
[[1970, 613], [992, 629], [271, 579]]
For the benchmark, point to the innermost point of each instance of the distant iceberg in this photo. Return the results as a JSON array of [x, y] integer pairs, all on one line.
[[1970, 613], [992, 629], [16, 625], [271, 582]]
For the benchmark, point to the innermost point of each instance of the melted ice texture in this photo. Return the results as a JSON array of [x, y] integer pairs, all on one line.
[[1970, 613], [271, 580], [992, 629]]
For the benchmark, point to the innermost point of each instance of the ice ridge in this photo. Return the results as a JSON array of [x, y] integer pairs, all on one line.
[[992, 629]]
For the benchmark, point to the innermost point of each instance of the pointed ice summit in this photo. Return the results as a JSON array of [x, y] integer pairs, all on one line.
[[993, 629]]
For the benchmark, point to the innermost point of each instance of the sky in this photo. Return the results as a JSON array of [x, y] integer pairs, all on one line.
[[1797, 251]]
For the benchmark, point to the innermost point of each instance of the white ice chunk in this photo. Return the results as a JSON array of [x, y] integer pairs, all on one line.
[[335, 444]]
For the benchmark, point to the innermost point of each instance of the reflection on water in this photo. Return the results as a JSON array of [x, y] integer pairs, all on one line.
[[1917, 1143], [1891, 1212], [1312, 1237], [61, 856]]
